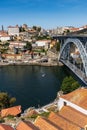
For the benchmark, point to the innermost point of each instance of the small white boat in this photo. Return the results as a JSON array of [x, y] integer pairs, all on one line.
[[43, 75]]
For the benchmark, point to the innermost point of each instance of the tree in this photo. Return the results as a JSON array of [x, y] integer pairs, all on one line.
[[35, 27], [68, 31], [69, 84], [21, 29], [57, 45], [28, 46], [6, 44], [43, 37], [12, 100], [39, 29], [6, 100]]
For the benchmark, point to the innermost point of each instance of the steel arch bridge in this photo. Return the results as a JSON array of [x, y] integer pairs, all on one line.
[[80, 42]]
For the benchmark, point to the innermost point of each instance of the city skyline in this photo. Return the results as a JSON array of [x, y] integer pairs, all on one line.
[[45, 13]]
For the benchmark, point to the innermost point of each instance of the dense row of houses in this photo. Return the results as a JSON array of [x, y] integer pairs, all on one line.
[[65, 30], [71, 115], [28, 33]]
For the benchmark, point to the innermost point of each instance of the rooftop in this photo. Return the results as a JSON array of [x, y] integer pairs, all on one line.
[[24, 125], [45, 124], [5, 127], [3, 34], [11, 111], [78, 97], [73, 116], [62, 122]]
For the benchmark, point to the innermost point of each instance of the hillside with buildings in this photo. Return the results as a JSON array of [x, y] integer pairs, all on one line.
[[21, 44], [25, 45]]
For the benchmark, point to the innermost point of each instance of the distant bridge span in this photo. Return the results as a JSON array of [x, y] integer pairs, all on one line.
[[80, 42]]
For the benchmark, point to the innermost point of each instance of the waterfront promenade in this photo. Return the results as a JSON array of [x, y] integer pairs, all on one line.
[[31, 62]]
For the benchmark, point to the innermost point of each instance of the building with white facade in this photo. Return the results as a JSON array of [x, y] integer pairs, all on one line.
[[4, 36], [43, 43], [17, 45], [13, 30], [76, 99]]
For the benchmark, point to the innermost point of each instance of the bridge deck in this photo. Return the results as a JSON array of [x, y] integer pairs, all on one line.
[[62, 37]]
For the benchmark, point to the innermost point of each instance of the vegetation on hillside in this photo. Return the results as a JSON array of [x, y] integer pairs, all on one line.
[[6, 100], [28, 46], [69, 84], [57, 46], [4, 47], [44, 37]]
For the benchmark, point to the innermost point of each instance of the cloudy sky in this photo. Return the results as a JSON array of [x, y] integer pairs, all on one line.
[[45, 13]]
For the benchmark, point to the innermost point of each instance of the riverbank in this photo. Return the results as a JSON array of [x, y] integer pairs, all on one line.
[[32, 63]]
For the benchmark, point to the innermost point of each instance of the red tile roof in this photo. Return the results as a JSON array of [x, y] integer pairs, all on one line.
[[11, 111], [3, 34], [23, 125], [73, 116], [45, 124], [62, 122], [78, 97], [74, 29], [5, 127]]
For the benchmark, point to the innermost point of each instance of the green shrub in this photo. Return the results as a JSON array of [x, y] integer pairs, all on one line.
[[69, 84]]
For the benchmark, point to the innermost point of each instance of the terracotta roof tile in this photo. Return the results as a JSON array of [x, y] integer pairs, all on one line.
[[62, 122], [24, 125], [11, 111], [5, 127], [74, 116], [78, 97], [45, 124], [3, 34]]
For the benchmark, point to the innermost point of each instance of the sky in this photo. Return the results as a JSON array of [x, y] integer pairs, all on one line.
[[48, 14]]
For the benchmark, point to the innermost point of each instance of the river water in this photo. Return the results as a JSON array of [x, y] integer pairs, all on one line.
[[31, 85]]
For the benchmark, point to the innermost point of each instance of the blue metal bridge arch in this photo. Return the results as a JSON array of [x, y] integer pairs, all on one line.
[[80, 43], [81, 49]]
